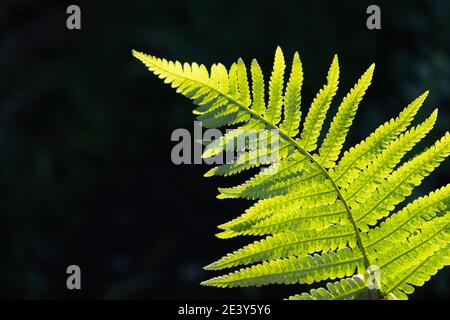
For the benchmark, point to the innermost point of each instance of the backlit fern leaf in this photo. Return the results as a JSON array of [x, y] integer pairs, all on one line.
[[322, 217], [334, 140], [345, 289]]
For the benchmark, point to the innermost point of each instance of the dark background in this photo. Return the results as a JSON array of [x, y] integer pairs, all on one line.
[[85, 170]]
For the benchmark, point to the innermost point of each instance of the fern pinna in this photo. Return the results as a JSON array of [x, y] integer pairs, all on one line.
[[323, 215]]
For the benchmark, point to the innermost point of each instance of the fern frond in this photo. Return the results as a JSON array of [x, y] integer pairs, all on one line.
[[292, 270], [292, 99], [406, 222], [227, 141], [313, 218], [314, 195], [346, 289], [322, 217], [334, 140], [250, 159], [244, 91], [286, 179], [402, 284], [417, 265], [233, 82], [404, 259], [319, 108], [359, 156], [259, 185], [259, 105], [288, 243], [274, 107], [401, 183], [366, 182]]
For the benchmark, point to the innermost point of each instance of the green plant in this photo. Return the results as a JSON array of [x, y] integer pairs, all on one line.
[[322, 217]]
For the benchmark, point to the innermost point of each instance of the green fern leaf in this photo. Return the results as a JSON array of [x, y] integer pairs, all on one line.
[[407, 221], [402, 263], [292, 99], [400, 184], [323, 217], [261, 185], [346, 289], [292, 270], [317, 113], [259, 105], [249, 159], [418, 274], [314, 218], [366, 182], [358, 157], [315, 194], [274, 107], [286, 244], [334, 140]]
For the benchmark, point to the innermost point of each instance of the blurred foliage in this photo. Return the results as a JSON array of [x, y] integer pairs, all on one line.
[[83, 152]]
